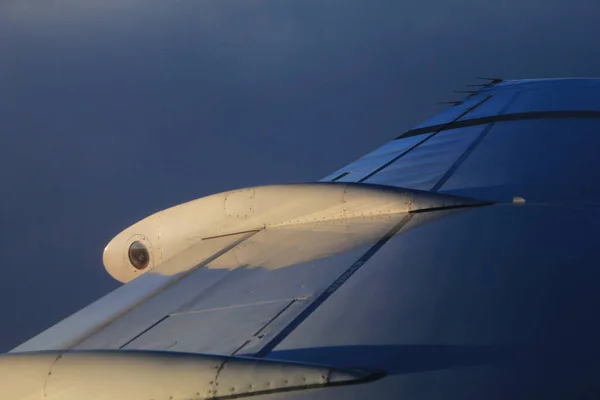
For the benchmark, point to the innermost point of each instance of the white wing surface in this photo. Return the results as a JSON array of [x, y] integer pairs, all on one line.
[[455, 261]]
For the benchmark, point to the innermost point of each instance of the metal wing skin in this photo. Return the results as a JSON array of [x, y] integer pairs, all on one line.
[[457, 261]]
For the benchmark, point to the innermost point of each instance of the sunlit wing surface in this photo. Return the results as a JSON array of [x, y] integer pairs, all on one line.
[[456, 261]]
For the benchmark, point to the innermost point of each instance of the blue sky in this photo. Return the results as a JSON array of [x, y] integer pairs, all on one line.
[[111, 110]]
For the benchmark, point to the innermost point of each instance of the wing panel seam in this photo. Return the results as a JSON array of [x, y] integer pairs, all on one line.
[[470, 149], [584, 114], [444, 127]]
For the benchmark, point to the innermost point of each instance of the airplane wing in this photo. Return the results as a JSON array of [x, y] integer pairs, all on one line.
[[457, 260]]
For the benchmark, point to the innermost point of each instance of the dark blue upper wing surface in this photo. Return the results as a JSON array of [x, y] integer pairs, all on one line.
[[535, 139]]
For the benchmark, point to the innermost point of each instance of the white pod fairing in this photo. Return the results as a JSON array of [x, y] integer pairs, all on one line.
[[141, 375], [167, 233]]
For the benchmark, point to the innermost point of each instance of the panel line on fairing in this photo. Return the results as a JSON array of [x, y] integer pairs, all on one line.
[[231, 234], [443, 127]]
